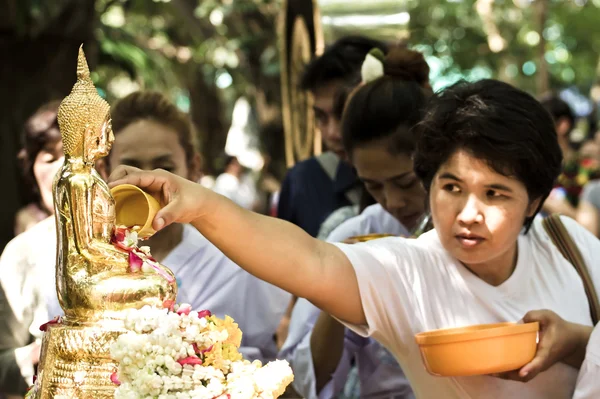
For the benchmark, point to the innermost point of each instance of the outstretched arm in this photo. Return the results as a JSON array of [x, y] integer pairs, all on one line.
[[273, 250]]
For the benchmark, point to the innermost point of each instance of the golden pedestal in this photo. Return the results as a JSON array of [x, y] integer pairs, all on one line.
[[76, 362]]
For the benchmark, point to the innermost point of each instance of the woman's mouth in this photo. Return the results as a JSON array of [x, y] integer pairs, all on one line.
[[469, 241]]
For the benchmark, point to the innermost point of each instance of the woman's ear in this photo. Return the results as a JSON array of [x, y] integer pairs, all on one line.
[[195, 167], [533, 206]]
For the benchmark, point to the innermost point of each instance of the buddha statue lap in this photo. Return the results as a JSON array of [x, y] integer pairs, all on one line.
[[94, 282]]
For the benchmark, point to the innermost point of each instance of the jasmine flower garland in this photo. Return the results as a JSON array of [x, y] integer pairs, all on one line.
[[184, 354]]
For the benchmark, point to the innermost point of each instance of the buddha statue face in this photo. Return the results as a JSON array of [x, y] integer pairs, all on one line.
[[99, 140]]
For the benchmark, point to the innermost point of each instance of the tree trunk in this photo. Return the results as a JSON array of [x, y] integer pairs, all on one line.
[[206, 111], [543, 77], [36, 68]]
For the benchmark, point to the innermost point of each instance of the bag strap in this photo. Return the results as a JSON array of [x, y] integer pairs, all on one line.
[[567, 247]]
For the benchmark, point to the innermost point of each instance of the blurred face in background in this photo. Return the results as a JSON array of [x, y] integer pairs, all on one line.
[[45, 166], [149, 145], [326, 119], [390, 179]]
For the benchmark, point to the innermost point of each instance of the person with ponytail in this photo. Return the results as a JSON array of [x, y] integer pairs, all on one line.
[[378, 137]]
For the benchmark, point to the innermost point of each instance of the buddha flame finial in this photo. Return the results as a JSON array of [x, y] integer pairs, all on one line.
[[81, 110], [83, 71]]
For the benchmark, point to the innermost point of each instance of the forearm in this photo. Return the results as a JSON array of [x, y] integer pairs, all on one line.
[[284, 255], [327, 346], [271, 249], [581, 336]]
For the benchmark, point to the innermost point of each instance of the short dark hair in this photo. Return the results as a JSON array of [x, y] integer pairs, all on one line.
[[389, 106], [495, 122], [341, 61], [155, 106], [558, 108], [40, 132]]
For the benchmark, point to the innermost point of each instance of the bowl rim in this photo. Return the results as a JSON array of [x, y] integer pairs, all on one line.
[[474, 332]]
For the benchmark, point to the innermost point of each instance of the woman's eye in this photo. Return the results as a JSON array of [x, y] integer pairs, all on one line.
[[494, 194], [373, 187], [406, 184], [453, 188]]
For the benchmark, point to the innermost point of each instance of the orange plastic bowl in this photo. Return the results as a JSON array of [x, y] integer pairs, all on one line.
[[479, 349]]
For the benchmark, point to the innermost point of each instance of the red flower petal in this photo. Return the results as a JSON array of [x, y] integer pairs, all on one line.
[[45, 326], [169, 304], [196, 349], [114, 379], [184, 308], [191, 360], [204, 313], [120, 235], [135, 262]]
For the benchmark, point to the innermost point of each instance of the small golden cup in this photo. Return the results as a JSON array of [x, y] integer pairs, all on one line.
[[135, 207]]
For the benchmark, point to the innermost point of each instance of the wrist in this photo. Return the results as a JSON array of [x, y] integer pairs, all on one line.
[[580, 335]]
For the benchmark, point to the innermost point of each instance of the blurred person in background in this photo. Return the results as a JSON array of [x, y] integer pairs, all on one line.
[[237, 184], [588, 210], [40, 158], [377, 130], [577, 170], [206, 278], [26, 262], [316, 187]]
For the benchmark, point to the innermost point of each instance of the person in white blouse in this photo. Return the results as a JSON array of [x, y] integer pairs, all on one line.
[[206, 278], [487, 156], [376, 131]]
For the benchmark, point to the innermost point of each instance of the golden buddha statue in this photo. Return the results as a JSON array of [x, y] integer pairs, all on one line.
[[93, 279]]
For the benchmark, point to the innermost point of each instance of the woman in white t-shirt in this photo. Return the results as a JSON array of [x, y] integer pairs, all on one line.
[[487, 155]]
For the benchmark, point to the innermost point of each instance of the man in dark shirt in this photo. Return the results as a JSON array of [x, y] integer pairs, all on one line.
[[316, 187]]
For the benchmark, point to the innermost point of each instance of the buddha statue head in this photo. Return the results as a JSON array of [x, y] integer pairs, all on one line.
[[84, 118]]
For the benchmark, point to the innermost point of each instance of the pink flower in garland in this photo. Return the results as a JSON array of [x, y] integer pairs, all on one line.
[[191, 360], [135, 262], [184, 308], [115, 379], [204, 313], [169, 304]]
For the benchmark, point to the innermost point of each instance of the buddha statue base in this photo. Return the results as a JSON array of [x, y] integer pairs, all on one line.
[[76, 361]]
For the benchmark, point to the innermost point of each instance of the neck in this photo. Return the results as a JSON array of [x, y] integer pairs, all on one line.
[[163, 242], [496, 271], [78, 163]]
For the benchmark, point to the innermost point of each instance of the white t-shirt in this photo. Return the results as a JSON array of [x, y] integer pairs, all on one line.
[[410, 286], [374, 219], [588, 382]]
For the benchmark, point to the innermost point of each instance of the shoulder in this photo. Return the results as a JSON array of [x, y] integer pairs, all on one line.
[[592, 189], [586, 242], [398, 255], [304, 168], [24, 244]]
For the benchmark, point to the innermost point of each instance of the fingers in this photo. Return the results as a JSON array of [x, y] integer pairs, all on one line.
[[150, 181], [541, 316], [120, 173]]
